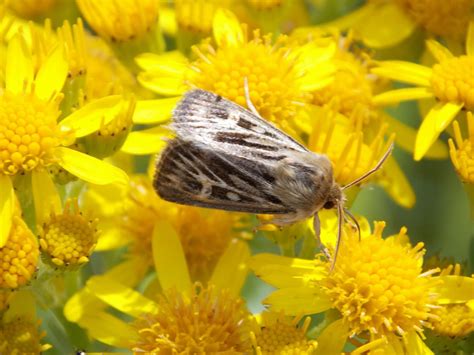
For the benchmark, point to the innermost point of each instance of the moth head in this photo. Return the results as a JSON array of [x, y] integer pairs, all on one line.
[[335, 197]]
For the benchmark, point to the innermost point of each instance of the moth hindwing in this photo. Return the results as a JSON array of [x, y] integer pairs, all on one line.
[[226, 157]]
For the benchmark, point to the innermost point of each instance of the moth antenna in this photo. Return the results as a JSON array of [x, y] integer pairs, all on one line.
[[340, 218], [317, 234], [354, 220], [373, 170], [247, 98]]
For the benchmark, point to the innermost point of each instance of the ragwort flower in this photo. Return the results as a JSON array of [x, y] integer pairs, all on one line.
[[448, 81], [280, 76], [186, 318], [32, 139], [377, 287]]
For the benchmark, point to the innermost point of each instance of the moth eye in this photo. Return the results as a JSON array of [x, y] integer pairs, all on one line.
[[329, 205]]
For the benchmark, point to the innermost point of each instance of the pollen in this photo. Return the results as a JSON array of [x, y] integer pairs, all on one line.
[[68, 239], [454, 320], [28, 133], [378, 285], [440, 17], [208, 321], [453, 80], [120, 20], [271, 74], [19, 256], [21, 336], [282, 335], [462, 153], [351, 88]]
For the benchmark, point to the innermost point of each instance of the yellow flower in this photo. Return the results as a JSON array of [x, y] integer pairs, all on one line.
[[377, 287], [191, 318], [400, 19], [20, 256], [462, 153], [133, 213], [68, 239], [280, 76], [275, 333], [19, 333], [32, 139], [448, 81]]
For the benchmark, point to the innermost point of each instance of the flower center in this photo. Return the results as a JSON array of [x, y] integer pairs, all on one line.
[[283, 336], [19, 256], [68, 239], [120, 20], [453, 80], [28, 133], [272, 79], [265, 4], [440, 17], [207, 321], [195, 16], [377, 284], [21, 337], [455, 320], [30, 9]]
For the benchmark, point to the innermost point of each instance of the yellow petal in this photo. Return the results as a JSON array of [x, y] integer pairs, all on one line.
[[433, 124], [51, 75], [7, 203], [282, 271], [93, 115], [226, 29], [395, 182], [22, 303], [45, 196], [333, 338], [440, 52], [163, 85], [169, 64], [396, 96], [88, 168], [154, 111], [168, 255], [168, 21], [455, 289], [415, 345], [405, 137], [387, 26], [299, 300], [121, 297], [470, 39], [404, 71], [232, 262], [109, 330], [19, 66], [111, 237], [148, 141]]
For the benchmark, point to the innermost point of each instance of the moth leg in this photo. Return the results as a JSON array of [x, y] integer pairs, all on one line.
[[247, 98], [340, 218], [317, 234]]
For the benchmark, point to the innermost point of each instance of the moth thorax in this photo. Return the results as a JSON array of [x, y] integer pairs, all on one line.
[[334, 198]]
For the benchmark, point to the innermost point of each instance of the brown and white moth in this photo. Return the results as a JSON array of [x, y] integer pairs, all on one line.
[[227, 157]]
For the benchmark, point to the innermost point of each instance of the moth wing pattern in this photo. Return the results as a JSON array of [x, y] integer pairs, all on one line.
[[223, 125], [192, 173]]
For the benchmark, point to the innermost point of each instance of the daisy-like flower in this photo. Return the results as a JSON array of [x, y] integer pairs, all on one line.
[[280, 76], [32, 139], [275, 333], [128, 216], [19, 333], [448, 81], [400, 18], [185, 318], [68, 239], [130, 26], [377, 287]]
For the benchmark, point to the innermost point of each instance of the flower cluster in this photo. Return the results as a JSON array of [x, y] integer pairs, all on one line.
[[93, 258]]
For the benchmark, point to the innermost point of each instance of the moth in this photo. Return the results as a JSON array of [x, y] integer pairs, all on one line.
[[227, 157]]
